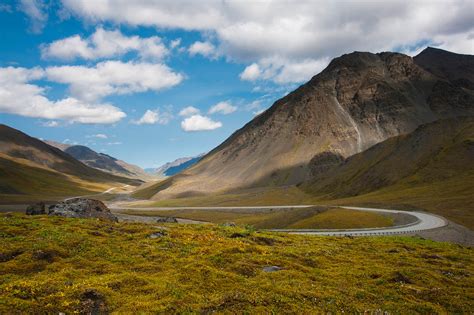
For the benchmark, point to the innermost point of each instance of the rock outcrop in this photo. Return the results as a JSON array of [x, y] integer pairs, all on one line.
[[82, 208]]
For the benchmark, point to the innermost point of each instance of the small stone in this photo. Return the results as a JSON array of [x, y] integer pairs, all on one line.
[[271, 268], [167, 220], [229, 224], [157, 235]]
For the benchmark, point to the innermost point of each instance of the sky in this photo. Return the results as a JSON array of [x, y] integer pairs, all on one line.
[[151, 81]]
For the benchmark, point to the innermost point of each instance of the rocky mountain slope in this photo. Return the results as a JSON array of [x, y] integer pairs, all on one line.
[[175, 167], [30, 167], [107, 163], [459, 69], [359, 100]]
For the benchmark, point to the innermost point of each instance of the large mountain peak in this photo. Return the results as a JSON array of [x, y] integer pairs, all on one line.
[[359, 100]]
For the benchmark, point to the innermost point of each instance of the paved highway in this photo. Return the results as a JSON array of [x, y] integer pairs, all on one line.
[[425, 221]]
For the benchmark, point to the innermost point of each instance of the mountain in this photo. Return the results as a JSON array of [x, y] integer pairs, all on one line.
[[175, 167], [104, 162], [431, 168], [359, 100], [457, 68], [59, 145], [31, 169]]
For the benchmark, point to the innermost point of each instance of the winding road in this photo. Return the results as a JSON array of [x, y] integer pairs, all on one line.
[[424, 221]]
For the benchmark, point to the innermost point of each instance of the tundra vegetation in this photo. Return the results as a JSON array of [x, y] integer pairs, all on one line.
[[56, 264]]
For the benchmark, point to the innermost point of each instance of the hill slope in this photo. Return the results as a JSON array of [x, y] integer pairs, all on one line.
[[360, 99], [107, 163], [430, 168], [31, 169]]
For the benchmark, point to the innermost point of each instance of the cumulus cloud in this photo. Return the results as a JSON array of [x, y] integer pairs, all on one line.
[[152, 117], [19, 96], [35, 10], [199, 123], [189, 111], [104, 44], [304, 34], [283, 71], [205, 49], [251, 73], [223, 108], [114, 77]]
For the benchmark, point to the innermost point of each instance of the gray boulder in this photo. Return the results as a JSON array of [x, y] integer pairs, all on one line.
[[36, 209], [82, 208]]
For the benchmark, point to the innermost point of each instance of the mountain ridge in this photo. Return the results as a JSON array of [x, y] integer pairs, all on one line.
[[359, 100]]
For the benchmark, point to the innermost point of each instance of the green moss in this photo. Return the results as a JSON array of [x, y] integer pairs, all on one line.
[[51, 264]]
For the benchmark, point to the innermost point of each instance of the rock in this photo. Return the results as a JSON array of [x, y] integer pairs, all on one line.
[[230, 224], [166, 220], [93, 302], [36, 209], [46, 255], [271, 268], [10, 255], [264, 240], [237, 235], [157, 235], [82, 208]]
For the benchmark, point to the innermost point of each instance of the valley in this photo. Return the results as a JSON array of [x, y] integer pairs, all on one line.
[[352, 193]]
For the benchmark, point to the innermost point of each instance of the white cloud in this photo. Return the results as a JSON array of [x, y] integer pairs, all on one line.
[[302, 33], [152, 117], [175, 43], [199, 123], [283, 71], [104, 44], [205, 49], [99, 136], [223, 108], [51, 123], [34, 9], [189, 111], [114, 77], [18, 96], [251, 73], [114, 143], [258, 112]]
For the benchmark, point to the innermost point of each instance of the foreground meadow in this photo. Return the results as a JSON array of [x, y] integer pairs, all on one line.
[[54, 264]]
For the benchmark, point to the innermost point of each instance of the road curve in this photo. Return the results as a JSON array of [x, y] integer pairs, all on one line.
[[425, 221]]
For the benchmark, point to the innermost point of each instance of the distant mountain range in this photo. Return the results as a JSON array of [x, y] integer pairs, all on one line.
[[103, 161], [31, 169], [359, 100], [175, 167]]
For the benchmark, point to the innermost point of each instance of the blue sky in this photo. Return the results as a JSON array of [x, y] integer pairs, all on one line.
[[118, 75]]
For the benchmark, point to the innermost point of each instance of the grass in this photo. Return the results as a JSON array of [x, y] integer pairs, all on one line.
[[54, 264], [339, 218], [290, 195], [20, 182], [314, 217]]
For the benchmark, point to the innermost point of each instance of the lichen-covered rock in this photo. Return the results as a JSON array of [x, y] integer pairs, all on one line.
[[82, 208], [36, 209]]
